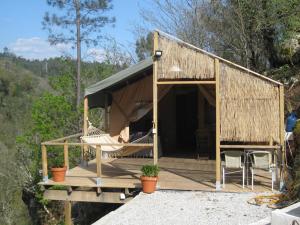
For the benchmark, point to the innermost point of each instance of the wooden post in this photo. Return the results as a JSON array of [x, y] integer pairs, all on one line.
[[155, 104], [271, 142], [218, 127], [281, 132], [66, 154], [106, 113], [85, 126], [68, 213], [44, 163], [98, 164]]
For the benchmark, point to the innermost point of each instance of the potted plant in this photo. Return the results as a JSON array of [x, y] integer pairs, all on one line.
[[58, 168], [149, 178]]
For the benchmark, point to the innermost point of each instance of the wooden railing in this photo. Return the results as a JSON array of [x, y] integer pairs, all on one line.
[[65, 143]]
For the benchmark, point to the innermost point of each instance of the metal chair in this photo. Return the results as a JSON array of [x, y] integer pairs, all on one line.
[[233, 161], [262, 160]]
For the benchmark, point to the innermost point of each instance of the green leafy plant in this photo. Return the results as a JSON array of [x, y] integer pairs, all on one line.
[[56, 160], [150, 170]]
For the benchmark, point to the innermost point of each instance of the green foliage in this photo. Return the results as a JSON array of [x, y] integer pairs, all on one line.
[[53, 116], [144, 46], [37, 103], [90, 15], [58, 187], [150, 170], [56, 159]]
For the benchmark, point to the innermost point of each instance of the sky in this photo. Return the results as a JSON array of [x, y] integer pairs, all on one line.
[[21, 27]]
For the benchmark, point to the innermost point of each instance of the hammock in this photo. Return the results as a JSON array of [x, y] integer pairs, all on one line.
[[95, 136]]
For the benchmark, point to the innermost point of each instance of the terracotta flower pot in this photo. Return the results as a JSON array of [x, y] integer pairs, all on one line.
[[148, 184], [58, 174]]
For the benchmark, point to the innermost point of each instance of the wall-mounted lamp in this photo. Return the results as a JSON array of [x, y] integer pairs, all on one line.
[[158, 53]]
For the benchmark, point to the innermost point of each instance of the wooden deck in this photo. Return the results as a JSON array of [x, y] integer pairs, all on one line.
[[175, 174]]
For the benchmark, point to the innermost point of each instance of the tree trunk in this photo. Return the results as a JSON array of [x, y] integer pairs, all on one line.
[[78, 43]]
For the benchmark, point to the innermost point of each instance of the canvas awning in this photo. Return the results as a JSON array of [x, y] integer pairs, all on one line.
[[96, 92]]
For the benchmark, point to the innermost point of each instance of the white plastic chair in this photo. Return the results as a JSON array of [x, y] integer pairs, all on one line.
[[233, 161], [262, 160]]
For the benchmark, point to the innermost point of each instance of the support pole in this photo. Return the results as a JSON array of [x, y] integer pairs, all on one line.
[[98, 163], [281, 133], [85, 126], [155, 105], [68, 213], [44, 163], [66, 154], [106, 113], [218, 127]]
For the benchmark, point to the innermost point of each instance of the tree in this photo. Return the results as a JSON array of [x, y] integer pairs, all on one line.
[[144, 46], [77, 21], [246, 32]]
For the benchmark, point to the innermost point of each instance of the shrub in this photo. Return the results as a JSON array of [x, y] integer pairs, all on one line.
[[150, 170], [56, 159]]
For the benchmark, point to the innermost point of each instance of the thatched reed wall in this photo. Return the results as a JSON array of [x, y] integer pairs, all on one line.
[[249, 106], [182, 62]]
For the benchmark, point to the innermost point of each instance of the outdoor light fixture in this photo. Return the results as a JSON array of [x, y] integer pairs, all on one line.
[[158, 53]]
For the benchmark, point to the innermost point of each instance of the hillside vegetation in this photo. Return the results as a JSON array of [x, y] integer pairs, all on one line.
[[36, 103], [19, 87]]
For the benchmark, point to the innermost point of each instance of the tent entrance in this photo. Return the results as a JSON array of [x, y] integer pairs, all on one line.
[[183, 113], [187, 122]]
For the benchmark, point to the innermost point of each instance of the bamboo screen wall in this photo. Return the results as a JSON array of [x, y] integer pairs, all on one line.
[[249, 106], [181, 62]]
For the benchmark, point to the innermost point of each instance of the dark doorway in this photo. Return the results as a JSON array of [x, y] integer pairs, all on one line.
[[186, 119]]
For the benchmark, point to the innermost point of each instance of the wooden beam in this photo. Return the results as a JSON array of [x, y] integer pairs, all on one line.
[[85, 126], [106, 113], [186, 82], [90, 182], [85, 116], [98, 164], [100, 143], [155, 102], [68, 213], [44, 163], [64, 138], [218, 126], [250, 146], [281, 132], [85, 196], [66, 154]]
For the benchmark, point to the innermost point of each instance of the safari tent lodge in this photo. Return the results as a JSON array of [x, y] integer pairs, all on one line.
[[179, 109]]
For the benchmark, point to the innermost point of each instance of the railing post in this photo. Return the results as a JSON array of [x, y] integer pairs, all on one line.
[[44, 163], [98, 164], [66, 154], [85, 127]]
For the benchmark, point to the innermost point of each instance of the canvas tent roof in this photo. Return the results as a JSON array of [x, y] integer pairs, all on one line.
[[96, 92]]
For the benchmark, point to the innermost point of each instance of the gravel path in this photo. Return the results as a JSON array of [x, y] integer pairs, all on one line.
[[187, 207]]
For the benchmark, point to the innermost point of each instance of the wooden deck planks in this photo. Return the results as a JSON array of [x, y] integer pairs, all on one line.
[[176, 174]]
